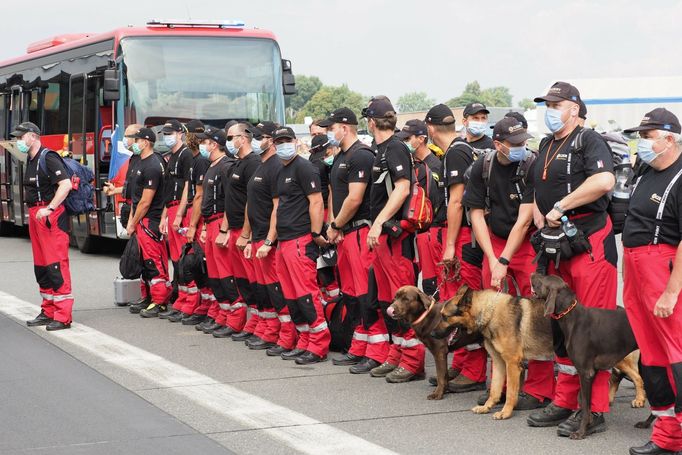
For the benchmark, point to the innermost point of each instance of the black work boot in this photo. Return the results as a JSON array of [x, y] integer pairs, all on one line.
[[178, 316], [347, 360], [452, 374], [364, 367], [241, 336], [152, 311], [223, 332], [41, 319], [572, 424], [170, 311], [293, 354], [140, 305], [550, 416], [650, 448], [205, 323], [56, 325], [194, 319]]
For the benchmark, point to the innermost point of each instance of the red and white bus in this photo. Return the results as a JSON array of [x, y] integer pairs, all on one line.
[[80, 88]]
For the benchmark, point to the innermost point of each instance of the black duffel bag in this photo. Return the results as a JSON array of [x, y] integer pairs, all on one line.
[[192, 265], [130, 264], [552, 244], [125, 214]]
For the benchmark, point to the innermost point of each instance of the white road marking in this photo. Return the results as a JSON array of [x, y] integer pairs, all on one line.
[[300, 432]]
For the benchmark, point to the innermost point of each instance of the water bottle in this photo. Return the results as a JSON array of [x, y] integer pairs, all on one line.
[[623, 171], [568, 227], [183, 230]]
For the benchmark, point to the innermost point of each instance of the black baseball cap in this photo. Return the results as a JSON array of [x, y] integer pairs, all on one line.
[[172, 126], [319, 144], [255, 132], [582, 112], [144, 133], [25, 127], [194, 126], [268, 128], [518, 116], [283, 132], [440, 114], [379, 107], [560, 91], [658, 119], [474, 108], [215, 134], [341, 115], [412, 128], [510, 129]]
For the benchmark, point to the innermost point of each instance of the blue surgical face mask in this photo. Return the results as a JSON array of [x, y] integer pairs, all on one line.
[[128, 143], [286, 151], [22, 146], [553, 120], [204, 151], [645, 150], [170, 140], [331, 137], [517, 154], [136, 149], [231, 149], [477, 128], [256, 146]]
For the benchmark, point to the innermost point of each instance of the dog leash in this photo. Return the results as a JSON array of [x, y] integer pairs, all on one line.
[[446, 276]]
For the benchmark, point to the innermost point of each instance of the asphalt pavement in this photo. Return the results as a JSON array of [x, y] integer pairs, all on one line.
[[117, 383]]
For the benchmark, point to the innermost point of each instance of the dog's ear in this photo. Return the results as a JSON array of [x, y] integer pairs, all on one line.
[[424, 299], [550, 301]]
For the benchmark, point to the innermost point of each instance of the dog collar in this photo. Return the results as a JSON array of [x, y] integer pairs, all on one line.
[[423, 316], [556, 317]]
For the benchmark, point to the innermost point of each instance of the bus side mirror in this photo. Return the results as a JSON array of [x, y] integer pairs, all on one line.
[[288, 81], [111, 85]]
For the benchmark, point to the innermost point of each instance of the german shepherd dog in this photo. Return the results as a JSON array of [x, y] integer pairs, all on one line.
[[513, 329], [595, 338], [423, 314]]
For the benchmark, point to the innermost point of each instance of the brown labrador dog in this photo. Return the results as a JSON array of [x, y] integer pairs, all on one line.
[[595, 338], [513, 329], [423, 314]]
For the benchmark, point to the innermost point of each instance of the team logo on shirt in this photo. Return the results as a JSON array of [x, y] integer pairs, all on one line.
[[376, 169], [235, 176], [312, 184], [600, 164], [656, 198], [210, 181], [343, 166], [399, 167], [454, 173], [562, 156], [139, 172], [361, 174], [513, 196], [150, 183], [287, 180], [58, 173], [258, 179]]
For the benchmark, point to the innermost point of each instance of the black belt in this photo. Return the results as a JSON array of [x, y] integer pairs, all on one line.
[[172, 204], [354, 225], [38, 204], [215, 216]]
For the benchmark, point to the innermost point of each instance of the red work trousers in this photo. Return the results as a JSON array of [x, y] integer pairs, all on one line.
[[354, 261], [189, 295], [430, 249], [393, 268], [646, 271], [297, 272], [242, 270], [275, 324], [540, 377], [50, 245], [155, 260], [228, 309], [595, 282], [471, 361]]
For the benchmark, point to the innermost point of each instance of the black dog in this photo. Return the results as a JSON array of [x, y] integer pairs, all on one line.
[[595, 339]]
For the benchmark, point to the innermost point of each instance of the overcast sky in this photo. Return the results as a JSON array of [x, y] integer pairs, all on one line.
[[397, 46]]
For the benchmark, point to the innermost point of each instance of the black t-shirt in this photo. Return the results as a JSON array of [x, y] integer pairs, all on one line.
[[318, 160], [235, 198], [485, 142], [505, 196], [148, 175], [640, 223], [436, 188], [295, 183], [40, 182], [196, 175], [133, 161], [352, 166], [216, 182], [457, 159], [177, 173], [595, 157], [262, 189], [393, 162]]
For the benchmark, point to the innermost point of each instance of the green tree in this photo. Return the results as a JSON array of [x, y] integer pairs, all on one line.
[[329, 98], [306, 87], [493, 96], [414, 102], [527, 104]]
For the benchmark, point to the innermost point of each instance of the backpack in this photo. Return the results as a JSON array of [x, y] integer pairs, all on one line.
[[520, 177], [418, 213], [192, 265], [130, 264], [342, 320], [80, 198]]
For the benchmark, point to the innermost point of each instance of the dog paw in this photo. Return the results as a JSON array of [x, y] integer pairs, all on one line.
[[637, 403], [576, 435], [435, 396], [480, 410], [502, 415]]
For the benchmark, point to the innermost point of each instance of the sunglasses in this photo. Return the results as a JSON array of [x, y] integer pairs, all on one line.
[[229, 138]]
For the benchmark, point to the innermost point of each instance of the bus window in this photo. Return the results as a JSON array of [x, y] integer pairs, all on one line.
[[56, 115], [3, 116]]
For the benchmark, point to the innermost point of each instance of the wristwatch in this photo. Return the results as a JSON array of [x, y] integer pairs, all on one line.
[[334, 226], [222, 232], [268, 242], [558, 208], [315, 234], [50, 208], [503, 260]]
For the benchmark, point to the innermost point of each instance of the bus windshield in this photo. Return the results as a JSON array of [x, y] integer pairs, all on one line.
[[213, 79]]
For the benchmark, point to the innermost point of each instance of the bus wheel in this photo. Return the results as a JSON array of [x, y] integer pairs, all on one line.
[[87, 244], [7, 229]]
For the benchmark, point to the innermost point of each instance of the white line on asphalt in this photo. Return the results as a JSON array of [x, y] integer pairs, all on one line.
[[297, 430]]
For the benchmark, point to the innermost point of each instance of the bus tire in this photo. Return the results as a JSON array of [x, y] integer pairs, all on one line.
[[87, 244], [7, 229]]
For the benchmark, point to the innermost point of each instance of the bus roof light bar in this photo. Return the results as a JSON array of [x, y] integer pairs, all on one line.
[[196, 23]]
